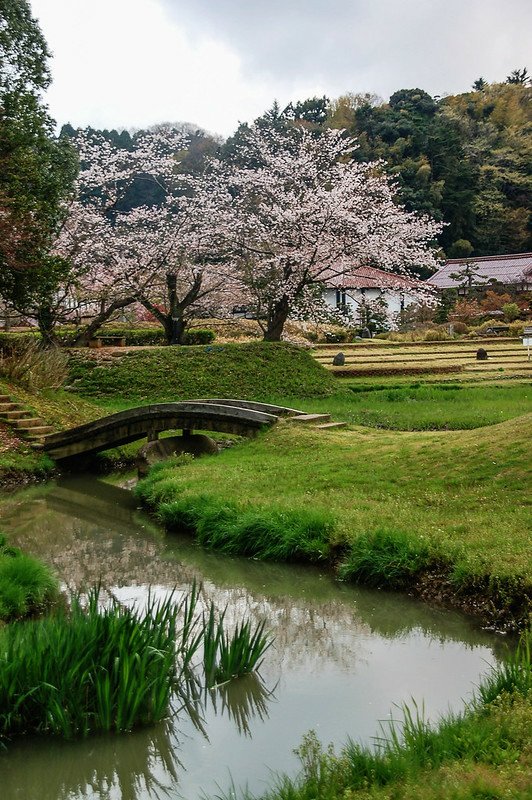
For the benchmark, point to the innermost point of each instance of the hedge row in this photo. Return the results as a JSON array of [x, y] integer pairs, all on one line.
[[10, 341]]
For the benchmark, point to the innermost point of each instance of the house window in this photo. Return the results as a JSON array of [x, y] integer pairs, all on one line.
[[340, 298]]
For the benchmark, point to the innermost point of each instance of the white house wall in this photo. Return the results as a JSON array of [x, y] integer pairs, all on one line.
[[355, 297]]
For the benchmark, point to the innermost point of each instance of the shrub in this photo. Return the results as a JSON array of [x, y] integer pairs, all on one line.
[[460, 328], [421, 335], [511, 311], [336, 337], [517, 328], [199, 336]]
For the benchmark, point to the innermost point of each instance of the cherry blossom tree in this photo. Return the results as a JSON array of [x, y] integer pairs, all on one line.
[[303, 212], [166, 257]]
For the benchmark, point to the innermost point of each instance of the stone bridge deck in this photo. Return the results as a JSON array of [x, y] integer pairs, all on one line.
[[243, 418]]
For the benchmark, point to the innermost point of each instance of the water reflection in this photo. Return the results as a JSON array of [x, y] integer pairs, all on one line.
[[342, 656], [242, 701], [144, 764], [140, 765]]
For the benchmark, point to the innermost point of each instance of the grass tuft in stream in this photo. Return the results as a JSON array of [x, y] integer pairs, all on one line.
[[94, 668], [26, 585], [225, 655]]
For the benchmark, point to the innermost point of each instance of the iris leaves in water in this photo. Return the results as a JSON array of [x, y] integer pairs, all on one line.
[[113, 668]]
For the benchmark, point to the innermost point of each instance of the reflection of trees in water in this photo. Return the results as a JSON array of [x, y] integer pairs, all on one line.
[[144, 763], [242, 700], [312, 618]]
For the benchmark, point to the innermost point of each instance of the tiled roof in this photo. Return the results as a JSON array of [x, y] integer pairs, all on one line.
[[508, 269], [372, 278]]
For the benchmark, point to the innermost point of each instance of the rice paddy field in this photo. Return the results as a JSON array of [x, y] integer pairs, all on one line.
[[456, 359]]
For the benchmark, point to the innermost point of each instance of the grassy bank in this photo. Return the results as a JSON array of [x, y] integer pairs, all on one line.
[[245, 371], [482, 753], [439, 513], [417, 407]]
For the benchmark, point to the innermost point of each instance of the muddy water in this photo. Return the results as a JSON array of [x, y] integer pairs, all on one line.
[[342, 657]]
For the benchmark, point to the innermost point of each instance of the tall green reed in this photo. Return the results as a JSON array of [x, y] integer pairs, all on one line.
[[111, 668]]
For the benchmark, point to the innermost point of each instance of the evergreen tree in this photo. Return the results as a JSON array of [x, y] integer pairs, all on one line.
[[36, 169]]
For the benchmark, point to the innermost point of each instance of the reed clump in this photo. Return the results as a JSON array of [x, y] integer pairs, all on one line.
[[95, 668], [228, 655]]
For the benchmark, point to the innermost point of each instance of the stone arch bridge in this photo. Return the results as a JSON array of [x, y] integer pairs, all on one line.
[[240, 417]]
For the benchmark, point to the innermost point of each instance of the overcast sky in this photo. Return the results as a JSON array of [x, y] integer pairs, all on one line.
[[132, 63]]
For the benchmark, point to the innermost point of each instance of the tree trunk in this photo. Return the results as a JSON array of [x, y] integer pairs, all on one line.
[[174, 329], [105, 314], [46, 321], [276, 320]]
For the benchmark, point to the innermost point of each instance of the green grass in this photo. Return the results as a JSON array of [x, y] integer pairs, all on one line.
[[26, 585], [93, 668], [421, 407], [455, 504], [482, 753], [229, 655], [247, 371]]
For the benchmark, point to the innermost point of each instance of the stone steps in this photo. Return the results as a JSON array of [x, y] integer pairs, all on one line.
[[320, 422], [36, 431], [308, 419], [27, 422], [28, 427], [329, 425], [7, 405], [14, 414]]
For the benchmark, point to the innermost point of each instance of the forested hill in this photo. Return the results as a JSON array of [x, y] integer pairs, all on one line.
[[464, 159]]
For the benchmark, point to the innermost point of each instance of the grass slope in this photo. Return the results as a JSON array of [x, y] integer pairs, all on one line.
[[450, 505], [247, 371]]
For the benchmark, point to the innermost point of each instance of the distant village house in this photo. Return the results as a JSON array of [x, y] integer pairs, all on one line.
[[512, 272], [363, 287]]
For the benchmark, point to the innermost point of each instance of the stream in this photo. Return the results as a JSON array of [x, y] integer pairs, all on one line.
[[344, 657]]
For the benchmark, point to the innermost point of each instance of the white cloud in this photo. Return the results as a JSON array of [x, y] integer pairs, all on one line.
[[215, 62], [126, 63]]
